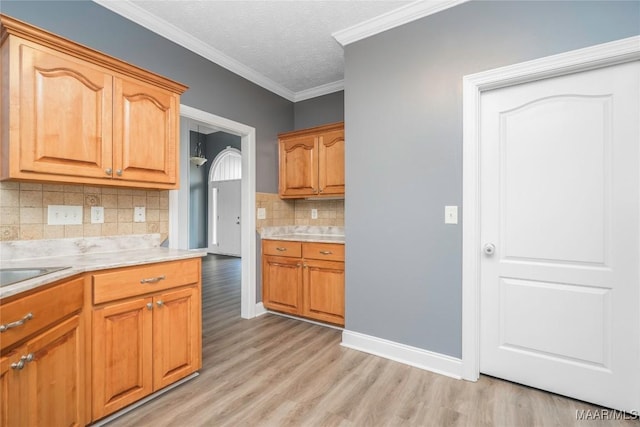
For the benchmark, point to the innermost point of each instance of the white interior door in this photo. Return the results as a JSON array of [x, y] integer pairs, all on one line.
[[224, 228], [559, 218]]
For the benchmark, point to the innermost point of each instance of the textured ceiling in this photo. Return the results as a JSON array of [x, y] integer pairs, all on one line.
[[287, 42]]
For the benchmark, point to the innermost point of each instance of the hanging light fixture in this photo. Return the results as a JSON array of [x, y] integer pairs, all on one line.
[[198, 159]]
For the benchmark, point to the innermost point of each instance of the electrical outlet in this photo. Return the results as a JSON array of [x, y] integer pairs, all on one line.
[[314, 213], [97, 215], [64, 215], [139, 214], [262, 213]]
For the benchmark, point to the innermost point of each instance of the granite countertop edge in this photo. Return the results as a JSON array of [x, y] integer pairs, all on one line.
[[80, 263], [311, 234]]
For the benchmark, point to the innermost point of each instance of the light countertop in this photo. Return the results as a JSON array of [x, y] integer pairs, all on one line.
[[82, 255], [303, 233]]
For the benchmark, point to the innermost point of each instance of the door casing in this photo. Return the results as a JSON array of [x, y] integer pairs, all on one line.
[[602, 55]]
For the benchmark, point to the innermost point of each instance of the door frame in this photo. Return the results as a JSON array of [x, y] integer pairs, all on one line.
[[179, 200], [598, 56]]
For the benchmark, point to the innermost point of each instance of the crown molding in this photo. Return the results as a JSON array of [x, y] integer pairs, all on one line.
[[138, 15], [314, 92], [395, 18]]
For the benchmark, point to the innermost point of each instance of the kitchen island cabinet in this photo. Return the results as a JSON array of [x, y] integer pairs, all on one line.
[[312, 162], [146, 331], [72, 114], [304, 278], [42, 374]]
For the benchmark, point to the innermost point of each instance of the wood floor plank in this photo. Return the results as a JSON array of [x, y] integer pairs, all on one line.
[[276, 371]]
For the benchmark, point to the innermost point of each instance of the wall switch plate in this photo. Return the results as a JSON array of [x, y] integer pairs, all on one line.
[[64, 215], [450, 214], [97, 215], [262, 213], [314, 213], [139, 214]]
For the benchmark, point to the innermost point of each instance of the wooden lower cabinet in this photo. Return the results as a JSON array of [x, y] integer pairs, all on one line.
[[42, 380], [142, 344], [305, 279]]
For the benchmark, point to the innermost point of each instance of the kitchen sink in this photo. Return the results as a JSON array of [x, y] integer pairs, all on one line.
[[9, 276]]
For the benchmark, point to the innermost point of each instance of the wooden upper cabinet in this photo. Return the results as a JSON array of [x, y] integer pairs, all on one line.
[[74, 140], [312, 162], [145, 133], [72, 114]]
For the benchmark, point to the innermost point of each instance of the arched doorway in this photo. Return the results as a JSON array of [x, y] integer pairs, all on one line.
[[225, 203]]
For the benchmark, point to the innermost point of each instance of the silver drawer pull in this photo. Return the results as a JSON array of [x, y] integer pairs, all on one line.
[[281, 249], [326, 252], [153, 279], [23, 360], [17, 323]]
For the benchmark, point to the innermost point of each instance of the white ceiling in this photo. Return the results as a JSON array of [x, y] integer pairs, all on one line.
[[284, 46]]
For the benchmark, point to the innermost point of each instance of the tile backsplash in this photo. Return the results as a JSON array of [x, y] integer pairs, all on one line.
[[24, 206], [298, 211]]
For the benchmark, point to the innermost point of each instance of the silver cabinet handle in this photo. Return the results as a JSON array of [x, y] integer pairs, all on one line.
[[149, 306], [23, 360], [17, 323], [119, 172], [281, 249], [153, 279], [326, 252], [108, 171], [160, 303]]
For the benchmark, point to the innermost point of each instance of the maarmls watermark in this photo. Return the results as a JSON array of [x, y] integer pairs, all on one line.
[[605, 414]]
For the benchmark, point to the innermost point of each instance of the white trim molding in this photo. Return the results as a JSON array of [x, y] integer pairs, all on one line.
[[248, 206], [260, 310], [413, 356], [602, 55], [319, 91], [395, 18], [135, 13]]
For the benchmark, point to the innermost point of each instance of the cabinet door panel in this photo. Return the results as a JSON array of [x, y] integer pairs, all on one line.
[[55, 376], [145, 133], [331, 163], [298, 166], [65, 115], [282, 284], [324, 291], [122, 359], [13, 408], [176, 336]]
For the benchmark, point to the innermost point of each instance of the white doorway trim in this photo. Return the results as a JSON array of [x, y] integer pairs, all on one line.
[[598, 56], [178, 219]]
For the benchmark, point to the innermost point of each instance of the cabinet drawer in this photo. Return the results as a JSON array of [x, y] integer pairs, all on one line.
[[133, 281], [326, 251], [36, 311], [281, 248]]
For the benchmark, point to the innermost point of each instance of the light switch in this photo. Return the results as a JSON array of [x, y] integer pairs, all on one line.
[[64, 215], [97, 215], [450, 214], [314, 213], [262, 213], [139, 214]]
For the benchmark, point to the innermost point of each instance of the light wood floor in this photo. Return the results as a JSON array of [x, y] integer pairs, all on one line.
[[275, 371]]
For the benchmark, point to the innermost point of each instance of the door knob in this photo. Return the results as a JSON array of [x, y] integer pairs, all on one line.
[[489, 249]]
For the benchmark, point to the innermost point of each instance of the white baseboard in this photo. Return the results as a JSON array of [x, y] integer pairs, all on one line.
[[413, 356], [260, 310]]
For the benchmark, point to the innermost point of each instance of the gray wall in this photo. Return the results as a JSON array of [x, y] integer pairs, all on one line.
[[211, 87], [319, 111], [403, 111], [198, 192]]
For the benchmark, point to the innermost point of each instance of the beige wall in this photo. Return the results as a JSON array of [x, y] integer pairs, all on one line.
[[298, 212], [23, 211]]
